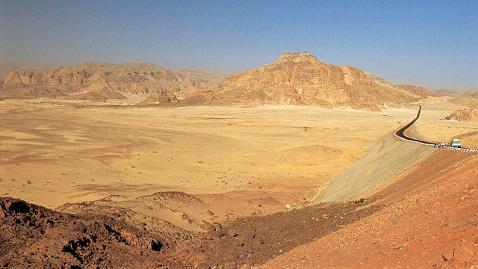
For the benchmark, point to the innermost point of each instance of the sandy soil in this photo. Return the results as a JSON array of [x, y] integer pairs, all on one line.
[[58, 152]]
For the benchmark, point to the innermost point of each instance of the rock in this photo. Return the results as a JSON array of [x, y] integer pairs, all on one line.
[[156, 245], [19, 207]]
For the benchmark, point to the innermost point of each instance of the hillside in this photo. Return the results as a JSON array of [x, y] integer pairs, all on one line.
[[299, 78], [467, 98], [101, 81]]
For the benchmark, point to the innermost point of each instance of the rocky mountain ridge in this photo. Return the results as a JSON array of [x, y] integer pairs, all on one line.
[[100, 81], [294, 78]]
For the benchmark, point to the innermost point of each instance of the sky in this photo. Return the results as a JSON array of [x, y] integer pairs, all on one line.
[[432, 43]]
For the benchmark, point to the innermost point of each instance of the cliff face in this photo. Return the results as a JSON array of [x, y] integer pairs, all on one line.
[[299, 78], [98, 81]]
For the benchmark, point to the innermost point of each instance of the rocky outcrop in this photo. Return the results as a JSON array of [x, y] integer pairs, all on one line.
[[299, 78], [33, 236], [463, 115]]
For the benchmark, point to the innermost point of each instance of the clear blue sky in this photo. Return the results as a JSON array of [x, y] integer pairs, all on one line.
[[432, 43]]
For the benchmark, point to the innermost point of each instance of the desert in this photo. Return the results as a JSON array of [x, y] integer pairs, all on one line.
[[181, 171], [272, 134]]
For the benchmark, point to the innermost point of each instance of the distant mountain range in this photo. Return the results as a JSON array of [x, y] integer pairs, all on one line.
[[294, 78], [101, 81]]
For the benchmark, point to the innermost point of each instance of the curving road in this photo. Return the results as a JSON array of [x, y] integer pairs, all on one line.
[[401, 134]]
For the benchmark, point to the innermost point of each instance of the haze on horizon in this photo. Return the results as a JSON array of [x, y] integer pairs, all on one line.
[[430, 43]]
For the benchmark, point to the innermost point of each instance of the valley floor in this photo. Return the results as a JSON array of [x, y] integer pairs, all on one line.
[[233, 186]]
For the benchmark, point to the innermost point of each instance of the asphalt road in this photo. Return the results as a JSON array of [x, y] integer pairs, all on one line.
[[401, 133]]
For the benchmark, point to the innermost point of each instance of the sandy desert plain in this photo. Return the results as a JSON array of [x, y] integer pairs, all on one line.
[[60, 152], [55, 152]]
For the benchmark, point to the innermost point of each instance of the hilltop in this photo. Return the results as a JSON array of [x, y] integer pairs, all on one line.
[[300, 78]]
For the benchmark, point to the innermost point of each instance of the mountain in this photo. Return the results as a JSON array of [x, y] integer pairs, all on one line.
[[452, 92], [294, 78], [101, 81], [299, 78]]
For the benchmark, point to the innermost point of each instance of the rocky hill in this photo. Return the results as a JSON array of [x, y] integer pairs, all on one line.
[[463, 115], [101, 81], [294, 78], [299, 78]]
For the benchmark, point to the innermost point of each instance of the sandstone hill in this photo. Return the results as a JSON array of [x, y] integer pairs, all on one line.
[[101, 81], [299, 78], [294, 78], [463, 115]]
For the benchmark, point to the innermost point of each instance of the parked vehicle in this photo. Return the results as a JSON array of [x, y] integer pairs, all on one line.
[[456, 143]]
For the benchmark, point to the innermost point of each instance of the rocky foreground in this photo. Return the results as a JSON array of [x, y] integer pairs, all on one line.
[[427, 218]]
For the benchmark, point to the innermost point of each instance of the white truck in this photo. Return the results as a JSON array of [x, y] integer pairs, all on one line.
[[456, 143]]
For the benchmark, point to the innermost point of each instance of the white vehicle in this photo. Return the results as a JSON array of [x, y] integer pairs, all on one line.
[[455, 143]]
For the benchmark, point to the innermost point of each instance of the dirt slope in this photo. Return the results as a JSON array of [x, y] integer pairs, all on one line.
[[430, 220], [425, 218], [176, 211], [386, 158]]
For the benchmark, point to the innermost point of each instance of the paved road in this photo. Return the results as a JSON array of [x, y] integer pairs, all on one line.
[[401, 134]]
